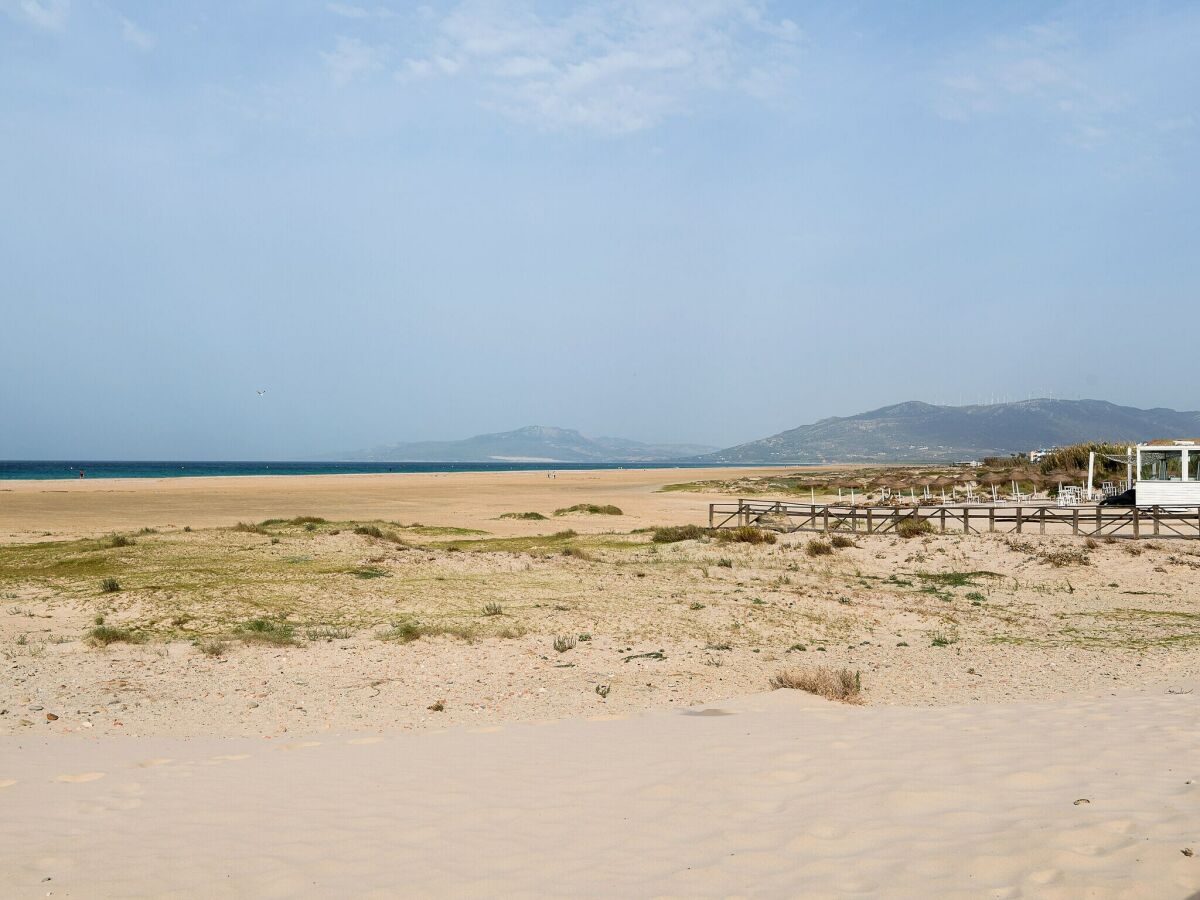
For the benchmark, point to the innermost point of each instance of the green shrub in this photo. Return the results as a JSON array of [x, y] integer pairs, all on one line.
[[103, 635], [672, 534], [109, 585], [911, 527], [264, 631], [746, 534], [531, 516]]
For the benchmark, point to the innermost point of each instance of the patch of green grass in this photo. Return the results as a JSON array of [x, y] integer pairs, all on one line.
[[956, 579], [103, 635], [911, 527], [672, 534], [590, 509], [370, 572], [942, 640], [408, 631], [266, 631], [120, 540], [326, 633]]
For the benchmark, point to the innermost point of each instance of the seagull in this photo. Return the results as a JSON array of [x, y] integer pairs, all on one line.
[[260, 393]]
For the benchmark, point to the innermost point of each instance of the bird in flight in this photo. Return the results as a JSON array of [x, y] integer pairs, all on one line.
[[260, 393]]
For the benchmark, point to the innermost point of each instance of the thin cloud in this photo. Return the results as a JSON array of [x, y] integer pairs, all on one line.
[[350, 11], [48, 14], [136, 36], [610, 66], [351, 59]]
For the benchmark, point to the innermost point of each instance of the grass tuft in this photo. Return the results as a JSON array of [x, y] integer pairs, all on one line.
[[912, 527], [817, 547], [746, 534], [531, 516], [265, 631], [109, 585], [673, 534], [832, 684], [103, 635], [563, 643]]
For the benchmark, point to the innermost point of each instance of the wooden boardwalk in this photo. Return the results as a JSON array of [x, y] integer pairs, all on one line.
[[1089, 521]]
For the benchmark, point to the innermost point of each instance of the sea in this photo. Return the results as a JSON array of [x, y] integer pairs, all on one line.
[[24, 469]]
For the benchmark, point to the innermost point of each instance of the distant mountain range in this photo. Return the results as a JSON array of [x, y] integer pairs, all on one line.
[[912, 431], [916, 431], [534, 443]]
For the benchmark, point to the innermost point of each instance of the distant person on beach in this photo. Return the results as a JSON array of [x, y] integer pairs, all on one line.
[[81, 473]]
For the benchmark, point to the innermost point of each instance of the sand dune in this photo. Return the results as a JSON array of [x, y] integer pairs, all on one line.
[[772, 795]]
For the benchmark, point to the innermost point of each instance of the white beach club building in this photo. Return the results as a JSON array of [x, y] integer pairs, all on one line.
[[1168, 473]]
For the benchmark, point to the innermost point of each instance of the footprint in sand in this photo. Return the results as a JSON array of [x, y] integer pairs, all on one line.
[[366, 740], [7, 782], [152, 763], [76, 779]]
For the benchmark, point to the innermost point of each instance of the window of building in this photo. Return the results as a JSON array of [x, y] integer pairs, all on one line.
[[1161, 465], [1193, 466]]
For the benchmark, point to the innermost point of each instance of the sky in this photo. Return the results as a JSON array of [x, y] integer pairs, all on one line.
[[699, 221]]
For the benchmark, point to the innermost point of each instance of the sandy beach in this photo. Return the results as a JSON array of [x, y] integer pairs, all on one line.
[[402, 692]]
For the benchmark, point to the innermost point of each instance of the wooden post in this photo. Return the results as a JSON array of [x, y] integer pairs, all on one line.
[[1042, 521], [870, 516], [1099, 523], [1020, 524], [827, 520], [991, 518], [1075, 521], [966, 519], [1137, 531], [710, 514], [1155, 511]]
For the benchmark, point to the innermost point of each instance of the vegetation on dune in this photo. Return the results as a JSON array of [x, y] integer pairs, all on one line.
[[672, 534], [266, 631], [833, 684], [530, 516], [590, 509], [912, 527], [102, 635], [746, 534]]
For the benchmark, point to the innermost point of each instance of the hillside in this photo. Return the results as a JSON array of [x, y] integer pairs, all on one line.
[[534, 443], [922, 431]]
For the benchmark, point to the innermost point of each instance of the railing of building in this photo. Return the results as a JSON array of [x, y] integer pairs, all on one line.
[[1090, 521]]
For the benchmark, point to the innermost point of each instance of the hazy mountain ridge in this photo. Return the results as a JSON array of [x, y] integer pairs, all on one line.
[[915, 431], [536, 443]]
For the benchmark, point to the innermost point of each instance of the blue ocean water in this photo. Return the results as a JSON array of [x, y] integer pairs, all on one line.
[[63, 469]]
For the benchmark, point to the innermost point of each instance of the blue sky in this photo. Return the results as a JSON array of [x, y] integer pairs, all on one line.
[[703, 221]]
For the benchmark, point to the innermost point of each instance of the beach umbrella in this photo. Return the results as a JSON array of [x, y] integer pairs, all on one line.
[[993, 479]]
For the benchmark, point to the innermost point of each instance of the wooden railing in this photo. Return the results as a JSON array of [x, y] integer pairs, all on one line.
[[1091, 521]]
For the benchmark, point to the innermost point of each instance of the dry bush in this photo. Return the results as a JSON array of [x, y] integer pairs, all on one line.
[[1091, 543], [1066, 557], [832, 684], [746, 534], [842, 541], [912, 527], [817, 547]]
